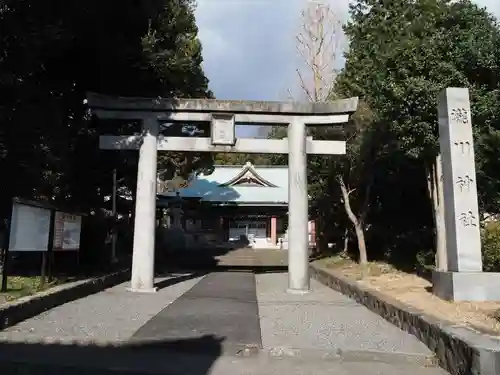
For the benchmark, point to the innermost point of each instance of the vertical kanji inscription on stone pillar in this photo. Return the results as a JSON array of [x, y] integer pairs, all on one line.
[[459, 181]]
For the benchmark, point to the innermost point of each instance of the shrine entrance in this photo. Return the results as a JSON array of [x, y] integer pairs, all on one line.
[[223, 116]]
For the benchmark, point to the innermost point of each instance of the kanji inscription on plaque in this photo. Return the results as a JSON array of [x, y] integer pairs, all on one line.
[[222, 129]]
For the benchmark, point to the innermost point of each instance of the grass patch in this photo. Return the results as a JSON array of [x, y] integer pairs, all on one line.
[[21, 286]]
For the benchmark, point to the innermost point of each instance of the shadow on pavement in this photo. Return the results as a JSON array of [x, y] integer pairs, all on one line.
[[197, 270], [225, 259], [178, 279], [255, 269], [173, 357]]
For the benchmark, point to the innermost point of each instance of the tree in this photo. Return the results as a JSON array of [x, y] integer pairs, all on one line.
[[174, 52], [241, 159], [51, 56], [319, 44], [402, 54]]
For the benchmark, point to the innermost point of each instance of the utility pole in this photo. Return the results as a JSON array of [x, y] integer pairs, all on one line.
[[113, 231]]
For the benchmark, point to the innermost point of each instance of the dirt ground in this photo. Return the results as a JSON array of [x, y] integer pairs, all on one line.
[[416, 291]]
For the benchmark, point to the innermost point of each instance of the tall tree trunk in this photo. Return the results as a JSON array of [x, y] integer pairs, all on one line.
[[442, 263], [360, 234], [346, 241], [358, 224], [435, 192], [320, 234], [432, 193]]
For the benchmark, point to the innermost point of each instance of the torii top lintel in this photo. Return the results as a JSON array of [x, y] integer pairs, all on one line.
[[111, 103]]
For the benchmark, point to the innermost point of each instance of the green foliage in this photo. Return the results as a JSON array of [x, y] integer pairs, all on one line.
[[487, 167], [173, 51], [256, 159], [402, 53], [52, 55], [241, 159], [278, 132], [490, 238]]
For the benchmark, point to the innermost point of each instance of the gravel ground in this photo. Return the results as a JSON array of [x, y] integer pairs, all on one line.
[[315, 325], [325, 321], [322, 320], [111, 315]]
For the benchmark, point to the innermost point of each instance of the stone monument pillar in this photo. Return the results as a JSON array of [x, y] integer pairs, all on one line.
[[464, 279]]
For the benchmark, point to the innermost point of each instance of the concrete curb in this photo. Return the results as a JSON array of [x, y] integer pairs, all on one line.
[[27, 307], [459, 350]]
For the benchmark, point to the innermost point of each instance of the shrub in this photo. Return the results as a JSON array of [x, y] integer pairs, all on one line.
[[490, 241]]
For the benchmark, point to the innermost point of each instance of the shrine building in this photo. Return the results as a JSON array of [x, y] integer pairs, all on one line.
[[248, 203]]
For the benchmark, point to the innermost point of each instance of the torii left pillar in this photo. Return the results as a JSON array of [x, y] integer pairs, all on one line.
[[143, 258]]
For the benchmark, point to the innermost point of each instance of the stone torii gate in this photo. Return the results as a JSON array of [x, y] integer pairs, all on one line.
[[222, 115]]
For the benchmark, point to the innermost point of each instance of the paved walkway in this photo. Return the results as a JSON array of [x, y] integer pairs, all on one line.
[[224, 323]]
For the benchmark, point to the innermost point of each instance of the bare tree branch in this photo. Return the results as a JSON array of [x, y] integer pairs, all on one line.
[[304, 87], [319, 47]]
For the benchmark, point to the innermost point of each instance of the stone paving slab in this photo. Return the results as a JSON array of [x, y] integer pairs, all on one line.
[[319, 333], [222, 304], [111, 315], [328, 323]]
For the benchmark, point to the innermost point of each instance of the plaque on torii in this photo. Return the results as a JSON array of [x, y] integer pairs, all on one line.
[[222, 129]]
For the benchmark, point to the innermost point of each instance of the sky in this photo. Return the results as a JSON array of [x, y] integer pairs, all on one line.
[[249, 47]]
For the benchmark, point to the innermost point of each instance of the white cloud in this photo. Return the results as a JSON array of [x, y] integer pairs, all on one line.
[[249, 48], [492, 5], [213, 43]]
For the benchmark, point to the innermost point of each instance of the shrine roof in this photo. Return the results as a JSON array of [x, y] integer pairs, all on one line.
[[241, 184]]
